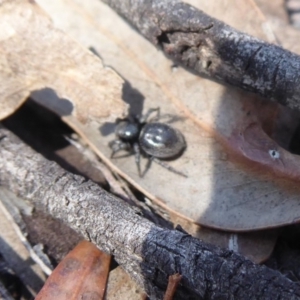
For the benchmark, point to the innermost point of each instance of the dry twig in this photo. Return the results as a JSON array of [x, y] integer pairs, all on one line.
[[172, 286], [213, 49]]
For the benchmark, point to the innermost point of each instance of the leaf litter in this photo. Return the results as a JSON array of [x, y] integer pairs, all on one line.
[[225, 189], [223, 127]]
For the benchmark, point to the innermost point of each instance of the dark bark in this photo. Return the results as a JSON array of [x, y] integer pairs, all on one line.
[[149, 253], [4, 293], [213, 49]]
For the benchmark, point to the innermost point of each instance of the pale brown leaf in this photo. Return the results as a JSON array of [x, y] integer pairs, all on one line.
[[37, 58], [82, 274], [230, 161], [120, 286]]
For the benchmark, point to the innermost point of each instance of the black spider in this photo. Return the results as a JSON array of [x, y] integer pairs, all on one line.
[[151, 138]]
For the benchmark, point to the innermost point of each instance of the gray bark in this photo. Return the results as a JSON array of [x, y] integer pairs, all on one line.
[[4, 293], [215, 50], [149, 253]]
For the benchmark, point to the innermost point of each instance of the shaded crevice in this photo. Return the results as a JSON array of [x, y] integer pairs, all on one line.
[[184, 49], [163, 39], [208, 27], [208, 64], [178, 37]]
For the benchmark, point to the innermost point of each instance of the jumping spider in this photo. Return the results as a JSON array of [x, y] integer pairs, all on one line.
[[149, 137]]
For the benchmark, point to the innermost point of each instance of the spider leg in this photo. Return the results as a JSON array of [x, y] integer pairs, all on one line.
[[118, 145], [171, 118], [144, 118], [166, 166], [137, 156], [148, 165]]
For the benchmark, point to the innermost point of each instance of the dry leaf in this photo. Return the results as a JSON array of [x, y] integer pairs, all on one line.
[[41, 133], [82, 274], [277, 17], [120, 286], [35, 57], [221, 125], [224, 188]]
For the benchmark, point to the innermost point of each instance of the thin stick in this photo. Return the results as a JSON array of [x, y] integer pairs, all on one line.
[[172, 286]]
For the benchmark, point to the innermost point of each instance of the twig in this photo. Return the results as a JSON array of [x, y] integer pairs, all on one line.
[[147, 252], [213, 49], [172, 286]]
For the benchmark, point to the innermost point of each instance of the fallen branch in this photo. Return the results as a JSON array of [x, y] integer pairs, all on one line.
[[214, 49], [150, 254]]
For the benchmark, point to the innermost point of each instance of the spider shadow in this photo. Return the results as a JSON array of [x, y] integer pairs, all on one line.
[[130, 95], [167, 118], [135, 100]]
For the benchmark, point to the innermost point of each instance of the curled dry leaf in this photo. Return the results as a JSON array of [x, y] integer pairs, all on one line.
[[238, 177], [82, 274], [37, 58], [219, 192]]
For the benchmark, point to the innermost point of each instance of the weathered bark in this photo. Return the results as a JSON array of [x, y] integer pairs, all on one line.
[[4, 293], [148, 252], [214, 49]]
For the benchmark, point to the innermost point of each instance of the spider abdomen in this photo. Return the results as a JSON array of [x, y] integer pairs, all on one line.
[[161, 140]]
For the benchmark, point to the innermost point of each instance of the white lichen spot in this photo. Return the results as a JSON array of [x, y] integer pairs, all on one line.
[[274, 154], [247, 80], [174, 68], [70, 219], [66, 201]]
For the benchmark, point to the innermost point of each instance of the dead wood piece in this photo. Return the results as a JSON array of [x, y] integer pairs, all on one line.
[[172, 286], [214, 49], [150, 254], [17, 256]]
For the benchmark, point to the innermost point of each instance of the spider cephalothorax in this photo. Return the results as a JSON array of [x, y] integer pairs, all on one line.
[[153, 139]]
